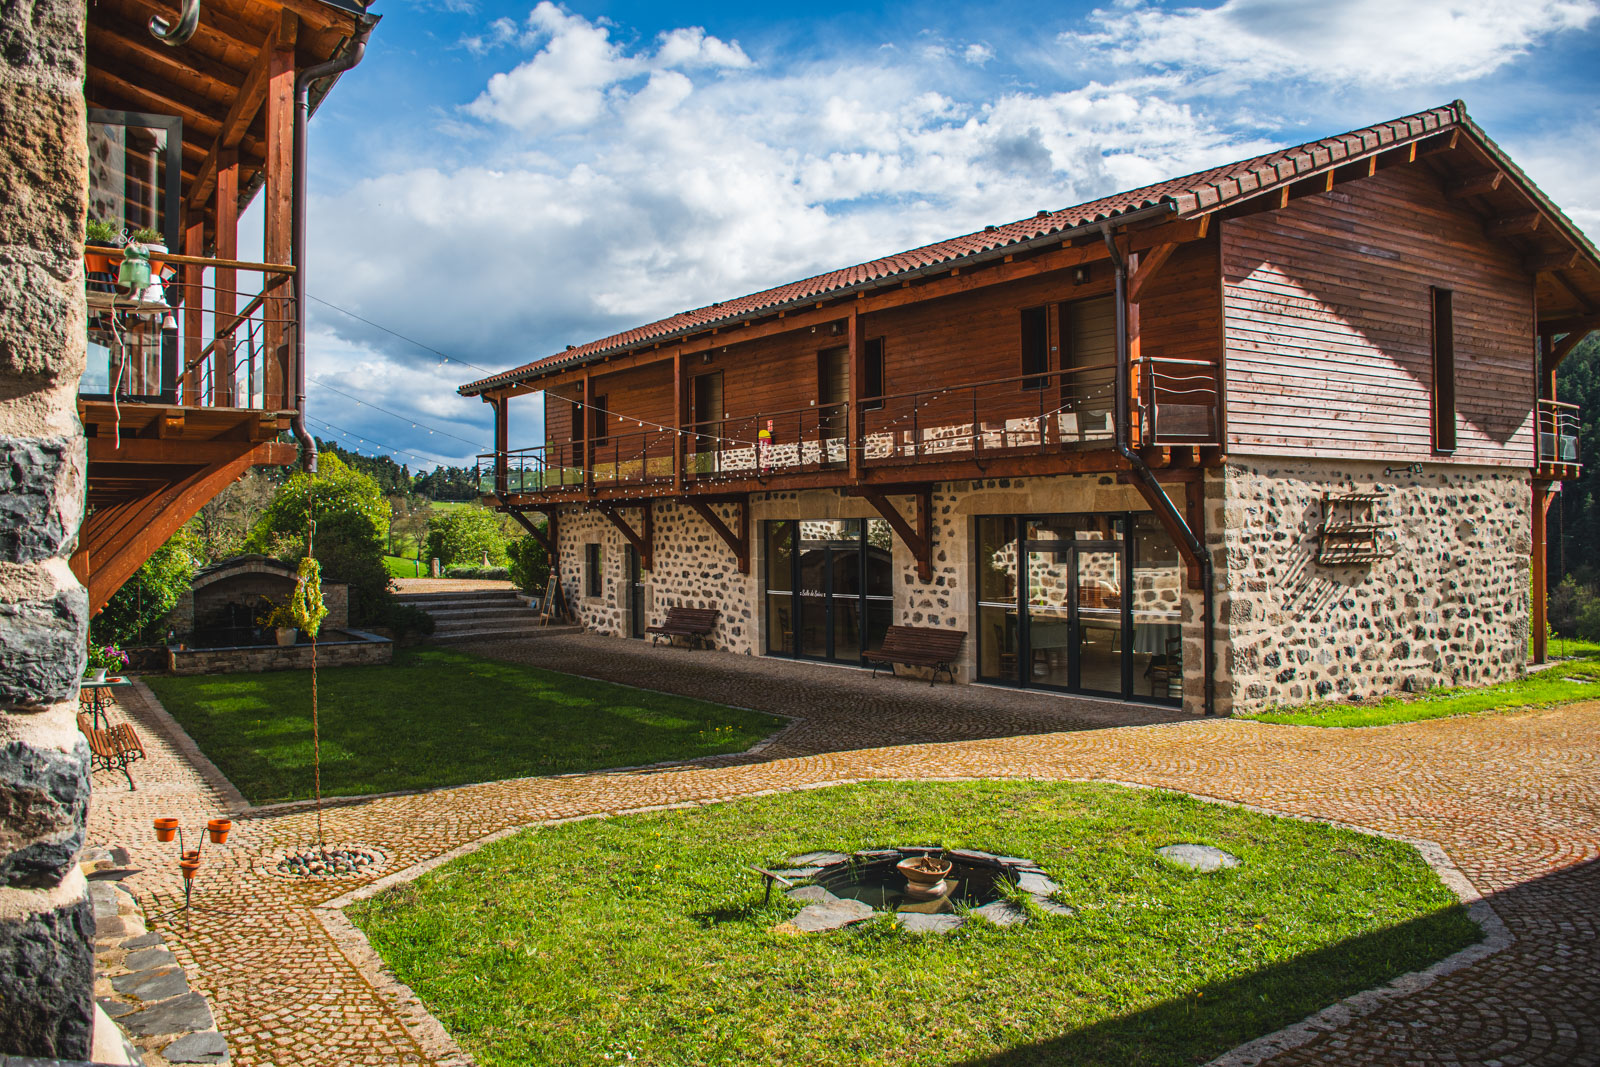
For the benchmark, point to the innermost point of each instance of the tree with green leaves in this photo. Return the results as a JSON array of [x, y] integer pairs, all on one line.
[[467, 537], [137, 612]]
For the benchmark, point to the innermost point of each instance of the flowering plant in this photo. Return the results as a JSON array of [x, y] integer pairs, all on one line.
[[107, 657]]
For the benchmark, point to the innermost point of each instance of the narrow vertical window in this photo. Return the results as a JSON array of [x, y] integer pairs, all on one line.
[[591, 570], [1444, 372], [1035, 346], [575, 428], [600, 413], [872, 377]]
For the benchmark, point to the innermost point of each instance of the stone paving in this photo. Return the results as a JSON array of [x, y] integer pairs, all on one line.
[[1514, 799]]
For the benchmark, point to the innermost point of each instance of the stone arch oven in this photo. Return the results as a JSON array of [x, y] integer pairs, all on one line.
[[223, 601]]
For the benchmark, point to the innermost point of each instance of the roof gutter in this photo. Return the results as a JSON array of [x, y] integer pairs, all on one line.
[[1153, 211], [302, 120]]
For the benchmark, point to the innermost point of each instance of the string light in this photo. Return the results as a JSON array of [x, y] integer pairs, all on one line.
[[395, 414], [393, 451]]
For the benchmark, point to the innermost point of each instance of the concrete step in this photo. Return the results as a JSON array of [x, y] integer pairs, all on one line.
[[502, 611], [496, 633], [463, 595]]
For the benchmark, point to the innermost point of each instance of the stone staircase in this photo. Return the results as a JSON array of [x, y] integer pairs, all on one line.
[[482, 614]]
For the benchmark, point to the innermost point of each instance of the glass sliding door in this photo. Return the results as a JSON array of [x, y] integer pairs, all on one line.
[[999, 636], [830, 587], [1157, 596], [1080, 603], [781, 610]]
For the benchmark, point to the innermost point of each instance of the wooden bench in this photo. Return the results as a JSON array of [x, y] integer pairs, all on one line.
[[112, 748], [919, 646], [694, 623]]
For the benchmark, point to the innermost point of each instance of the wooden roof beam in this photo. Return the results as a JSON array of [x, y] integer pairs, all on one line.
[[1474, 185], [174, 101], [1589, 310], [1548, 261], [252, 95], [134, 37], [1512, 225]]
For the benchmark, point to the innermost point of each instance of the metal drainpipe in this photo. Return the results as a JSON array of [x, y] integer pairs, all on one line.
[[302, 119], [1141, 470]]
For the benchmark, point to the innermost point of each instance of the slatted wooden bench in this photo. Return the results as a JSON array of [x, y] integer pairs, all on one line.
[[919, 646], [112, 748], [693, 623]]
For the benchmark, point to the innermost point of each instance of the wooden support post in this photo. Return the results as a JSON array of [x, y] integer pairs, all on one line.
[[194, 302], [502, 473], [740, 543], [852, 437], [586, 461], [1135, 370], [278, 209], [1194, 513], [223, 302], [644, 545], [918, 541], [678, 441], [1541, 572]]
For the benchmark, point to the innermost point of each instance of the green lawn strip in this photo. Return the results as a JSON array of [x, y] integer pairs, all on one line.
[[1560, 684], [582, 943], [401, 567], [434, 718]]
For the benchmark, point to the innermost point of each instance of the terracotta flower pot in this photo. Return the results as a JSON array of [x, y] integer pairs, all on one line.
[[191, 855], [218, 829], [188, 867], [166, 829], [924, 870]]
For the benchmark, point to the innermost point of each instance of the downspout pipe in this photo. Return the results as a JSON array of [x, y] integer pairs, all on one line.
[[1141, 471], [302, 120]]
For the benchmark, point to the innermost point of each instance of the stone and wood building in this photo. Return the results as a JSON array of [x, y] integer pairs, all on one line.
[[125, 408], [1278, 431]]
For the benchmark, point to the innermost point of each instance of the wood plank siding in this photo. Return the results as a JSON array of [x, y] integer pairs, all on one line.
[[932, 352], [1329, 327]]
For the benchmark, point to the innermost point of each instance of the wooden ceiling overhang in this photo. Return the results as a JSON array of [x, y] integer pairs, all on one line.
[[216, 82], [1468, 166]]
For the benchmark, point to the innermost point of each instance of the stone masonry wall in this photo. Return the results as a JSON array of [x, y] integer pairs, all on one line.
[[46, 926], [1450, 607]]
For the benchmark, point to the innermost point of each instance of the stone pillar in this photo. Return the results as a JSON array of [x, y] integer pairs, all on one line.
[[46, 927]]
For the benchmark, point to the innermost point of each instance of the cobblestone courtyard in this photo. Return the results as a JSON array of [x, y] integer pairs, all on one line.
[[1513, 799]]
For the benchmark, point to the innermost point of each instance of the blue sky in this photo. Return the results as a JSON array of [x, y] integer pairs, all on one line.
[[499, 180]]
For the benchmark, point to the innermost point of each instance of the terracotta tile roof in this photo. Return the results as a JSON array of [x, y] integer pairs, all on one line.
[[1193, 194]]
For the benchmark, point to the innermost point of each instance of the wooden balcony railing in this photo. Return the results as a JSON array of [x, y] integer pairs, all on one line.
[[200, 335], [1055, 411], [1558, 434]]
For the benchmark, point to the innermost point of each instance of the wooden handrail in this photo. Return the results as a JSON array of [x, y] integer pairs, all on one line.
[[194, 261], [233, 324]]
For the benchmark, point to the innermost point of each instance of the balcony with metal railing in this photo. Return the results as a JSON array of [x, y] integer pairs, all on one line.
[[1558, 447], [923, 433], [188, 331]]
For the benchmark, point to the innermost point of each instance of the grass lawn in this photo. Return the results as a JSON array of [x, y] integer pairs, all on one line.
[[1561, 684], [435, 717], [401, 567], [644, 938]]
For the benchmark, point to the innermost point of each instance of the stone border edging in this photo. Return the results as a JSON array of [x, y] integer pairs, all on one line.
[[430, 1034]]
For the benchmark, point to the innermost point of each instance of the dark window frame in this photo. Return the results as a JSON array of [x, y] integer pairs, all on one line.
[[874, 374], [1026, 335], [1442, 323], [593, 562]]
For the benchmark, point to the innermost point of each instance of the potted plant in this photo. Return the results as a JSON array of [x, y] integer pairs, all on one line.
[[98, 233], [103, 658], [279, 618], [141, 243]]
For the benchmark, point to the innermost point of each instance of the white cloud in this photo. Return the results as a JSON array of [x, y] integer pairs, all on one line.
[[1366, 42], [599, 185]]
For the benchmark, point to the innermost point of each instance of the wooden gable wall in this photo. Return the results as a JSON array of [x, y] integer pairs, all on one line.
[[1329, 327]]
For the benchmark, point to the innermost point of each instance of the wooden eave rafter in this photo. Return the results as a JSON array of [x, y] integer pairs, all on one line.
[[918, 541], [740, 542], [642, 540]]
